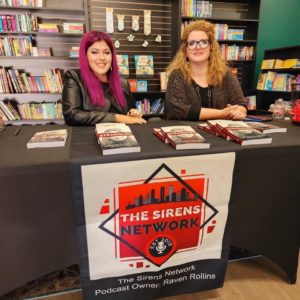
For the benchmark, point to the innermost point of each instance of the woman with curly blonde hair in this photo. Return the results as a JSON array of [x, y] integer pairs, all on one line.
[[200, 85]]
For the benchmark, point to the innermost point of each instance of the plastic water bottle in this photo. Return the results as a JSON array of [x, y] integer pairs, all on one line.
[[278, 112]]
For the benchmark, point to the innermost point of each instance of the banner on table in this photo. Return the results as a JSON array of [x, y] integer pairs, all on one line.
[[155, 227]]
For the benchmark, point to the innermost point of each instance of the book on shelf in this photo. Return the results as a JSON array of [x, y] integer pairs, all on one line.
[[266, 128], [116, 138], [251, 102], [267, 64], [269, 80], [123, 64], [132, 85], [184, 137], [48, 139], [144, 65], [142, 86], [278, 63], [41, 51], [163, 80]]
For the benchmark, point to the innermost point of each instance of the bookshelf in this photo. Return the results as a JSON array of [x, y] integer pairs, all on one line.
[[266, 97], [59, 43]]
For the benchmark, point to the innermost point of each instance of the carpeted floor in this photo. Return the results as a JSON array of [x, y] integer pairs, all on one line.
[[56, 282]]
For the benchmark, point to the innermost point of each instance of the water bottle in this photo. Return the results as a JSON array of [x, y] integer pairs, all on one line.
[[278, 112]]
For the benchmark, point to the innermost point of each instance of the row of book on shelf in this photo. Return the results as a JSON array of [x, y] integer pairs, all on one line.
[[280, 63], [273, 81], [31, 23], [11, 110], [197, 8], [146, 107], [23, 46], [18, 81], [31, 3], [235, 52], [117, 138]]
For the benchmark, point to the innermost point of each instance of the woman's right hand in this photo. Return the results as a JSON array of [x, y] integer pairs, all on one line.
[[129, 119]]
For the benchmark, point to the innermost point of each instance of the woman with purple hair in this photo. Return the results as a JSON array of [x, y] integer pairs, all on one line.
[[96, 93]]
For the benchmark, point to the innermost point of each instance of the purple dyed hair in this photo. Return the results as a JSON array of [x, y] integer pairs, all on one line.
[[90, 80]]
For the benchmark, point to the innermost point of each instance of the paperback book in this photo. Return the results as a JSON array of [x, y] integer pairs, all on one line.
[[116, 138], [239, 132], [266, 128], [144, 65], [158, 132], [47, 139], [123, 64], [184, 137], [248, 136]]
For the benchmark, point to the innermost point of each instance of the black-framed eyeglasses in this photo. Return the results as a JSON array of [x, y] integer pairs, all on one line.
[[193, 44]]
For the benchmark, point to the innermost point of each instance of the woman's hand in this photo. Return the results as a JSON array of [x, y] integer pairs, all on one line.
[[129, 119], [134, 113], [235, 112]]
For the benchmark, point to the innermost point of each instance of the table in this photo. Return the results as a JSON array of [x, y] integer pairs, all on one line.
[[36, 217], [37, 221]]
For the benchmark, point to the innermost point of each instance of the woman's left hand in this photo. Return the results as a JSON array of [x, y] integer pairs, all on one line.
[[134, 113], [236, 112]]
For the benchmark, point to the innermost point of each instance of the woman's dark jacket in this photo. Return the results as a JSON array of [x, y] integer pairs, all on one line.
[[183, 103], [78, 109]]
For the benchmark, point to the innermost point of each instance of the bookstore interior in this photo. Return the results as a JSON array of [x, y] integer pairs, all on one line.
[[170, 226]]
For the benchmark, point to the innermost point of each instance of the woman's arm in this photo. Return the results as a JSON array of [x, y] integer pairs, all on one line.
[[74, 113]]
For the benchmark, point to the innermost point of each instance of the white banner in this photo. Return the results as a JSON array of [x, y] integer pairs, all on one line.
[[149, 215]]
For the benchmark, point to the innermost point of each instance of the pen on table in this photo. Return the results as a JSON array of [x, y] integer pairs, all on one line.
[[17, 131]]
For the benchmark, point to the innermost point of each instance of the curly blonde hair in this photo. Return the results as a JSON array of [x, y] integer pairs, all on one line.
[[217, 67]]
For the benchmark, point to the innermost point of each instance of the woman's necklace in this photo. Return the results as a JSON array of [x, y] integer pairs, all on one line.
[[209, 94]]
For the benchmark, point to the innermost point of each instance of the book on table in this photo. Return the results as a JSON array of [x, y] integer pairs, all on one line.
[[184, 137], [47, 139], [241, 133], [116, 138], [158, 132], [266, 128]]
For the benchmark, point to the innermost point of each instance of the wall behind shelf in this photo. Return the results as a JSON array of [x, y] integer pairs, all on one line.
[[279, 27], [164, 21]]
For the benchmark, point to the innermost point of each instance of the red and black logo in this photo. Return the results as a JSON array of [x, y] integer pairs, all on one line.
[[160, 216]]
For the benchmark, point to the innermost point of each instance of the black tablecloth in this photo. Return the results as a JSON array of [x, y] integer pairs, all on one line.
[[36, 217], [36, 214]]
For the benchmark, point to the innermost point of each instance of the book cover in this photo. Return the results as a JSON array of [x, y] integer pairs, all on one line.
[[266, 128], [251, 102], [184, 137], [144, 65], [46, 139], [267, 64], [116, 138], [123, 64], [132, 85], [163, 79], [241, 133], [142, 86]]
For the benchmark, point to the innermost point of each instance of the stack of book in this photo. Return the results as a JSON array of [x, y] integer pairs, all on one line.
[[116, 138], [236, 131], [73, 27], [181, 137]]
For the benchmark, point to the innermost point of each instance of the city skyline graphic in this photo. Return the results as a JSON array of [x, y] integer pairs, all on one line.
[[172, 196]]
